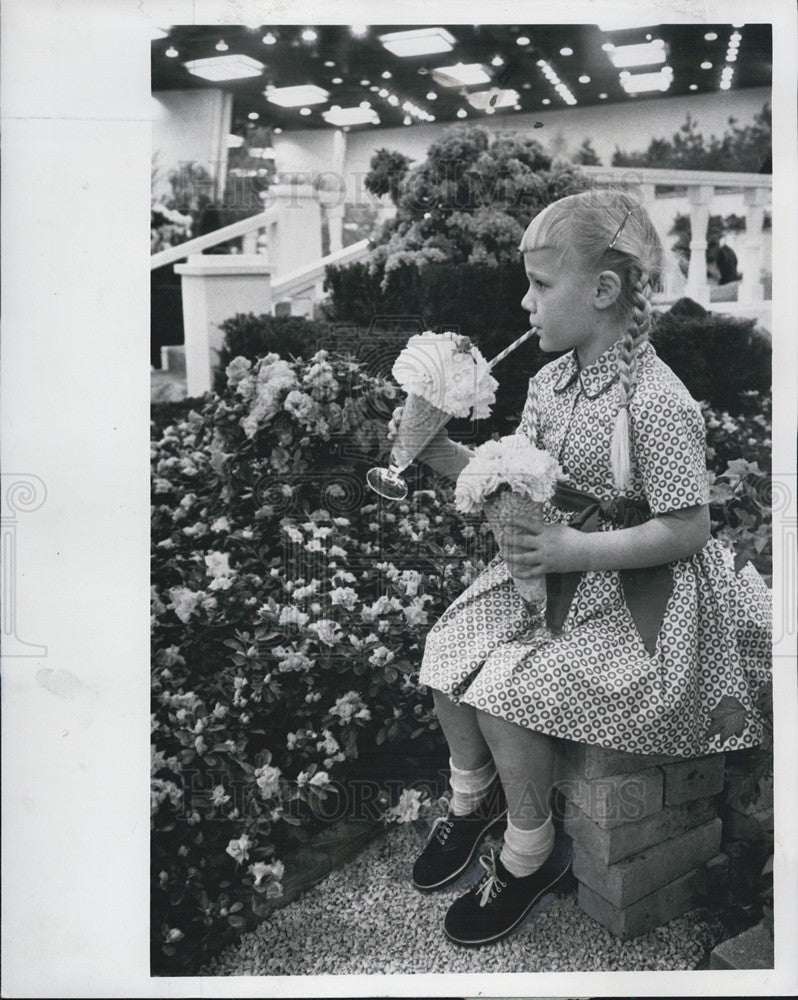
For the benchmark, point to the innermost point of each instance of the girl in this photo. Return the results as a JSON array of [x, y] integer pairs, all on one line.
[[647, 623]]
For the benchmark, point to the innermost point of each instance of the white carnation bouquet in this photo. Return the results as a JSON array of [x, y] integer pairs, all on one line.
[[444, 375], [506, 478]]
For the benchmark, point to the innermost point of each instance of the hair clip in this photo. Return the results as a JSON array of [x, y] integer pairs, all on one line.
[[618, 231]]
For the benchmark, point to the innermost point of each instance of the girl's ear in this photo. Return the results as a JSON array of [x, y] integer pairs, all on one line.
[[606, 289]]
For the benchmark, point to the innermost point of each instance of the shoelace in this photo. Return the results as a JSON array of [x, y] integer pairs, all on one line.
[[441, 828], [492, 884]]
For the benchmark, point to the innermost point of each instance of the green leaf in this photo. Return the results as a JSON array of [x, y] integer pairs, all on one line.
[[235, 921], [727, 719]]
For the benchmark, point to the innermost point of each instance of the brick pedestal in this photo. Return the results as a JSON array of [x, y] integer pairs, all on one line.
[[644, 829]]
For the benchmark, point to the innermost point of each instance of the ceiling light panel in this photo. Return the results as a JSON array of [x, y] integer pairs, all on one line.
[[217, 68], [294, 97], [641, 83], [463, 74], [418, 42], [644, 54], [351, 116]]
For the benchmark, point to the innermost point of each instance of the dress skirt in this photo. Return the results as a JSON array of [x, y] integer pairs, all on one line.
[[594, 682]]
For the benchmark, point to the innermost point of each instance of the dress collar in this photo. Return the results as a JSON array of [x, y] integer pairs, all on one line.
[[595, 379]]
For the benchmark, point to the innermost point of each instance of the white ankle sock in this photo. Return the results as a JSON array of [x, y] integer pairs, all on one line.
[[524, 851], [469, 788]]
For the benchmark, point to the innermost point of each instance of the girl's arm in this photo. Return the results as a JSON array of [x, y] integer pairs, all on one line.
[[446, 457], [537, 548]]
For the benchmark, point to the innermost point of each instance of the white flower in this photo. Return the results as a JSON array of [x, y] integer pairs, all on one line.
[[350, 706], [381, 656], [218, 564], [184, 601], [513, 461], [239, 849], [407, 808], [292, 615], [220, 524], [268, 780], [260, 870], [219, 796], [345, 596], [328, 632], [320, 778]]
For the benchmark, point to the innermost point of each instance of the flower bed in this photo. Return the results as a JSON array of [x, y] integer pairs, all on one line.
[[289, 612]]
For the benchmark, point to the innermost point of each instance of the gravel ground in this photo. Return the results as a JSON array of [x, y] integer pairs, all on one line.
[[366, 918]]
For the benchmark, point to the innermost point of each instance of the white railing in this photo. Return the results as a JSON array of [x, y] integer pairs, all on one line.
[[700, 193], [304, 287], [248, 228]]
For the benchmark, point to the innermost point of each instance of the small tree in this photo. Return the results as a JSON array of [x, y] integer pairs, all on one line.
[[586, 155], [469, 201]]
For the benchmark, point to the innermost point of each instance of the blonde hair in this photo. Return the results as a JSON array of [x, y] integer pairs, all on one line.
[[607, 229]]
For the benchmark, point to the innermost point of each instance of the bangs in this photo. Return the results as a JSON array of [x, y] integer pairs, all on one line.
[[550, 229]]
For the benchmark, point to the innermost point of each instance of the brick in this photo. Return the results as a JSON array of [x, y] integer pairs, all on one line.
[[619, 842], [617, 798], [582, 760], [629, 880], [693, 779], [753, 949], [658, 907]]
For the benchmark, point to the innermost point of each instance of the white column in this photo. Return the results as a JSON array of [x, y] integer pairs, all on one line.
[[751, 264], [215, 288], [697, 287]]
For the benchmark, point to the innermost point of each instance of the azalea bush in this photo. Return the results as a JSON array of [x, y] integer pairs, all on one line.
[[289, 611]]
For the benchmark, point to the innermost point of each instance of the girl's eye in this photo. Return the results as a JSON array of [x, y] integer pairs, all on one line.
[[537, 283]]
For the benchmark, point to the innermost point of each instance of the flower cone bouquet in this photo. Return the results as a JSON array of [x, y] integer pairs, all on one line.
[[506, 478], [444, 376]]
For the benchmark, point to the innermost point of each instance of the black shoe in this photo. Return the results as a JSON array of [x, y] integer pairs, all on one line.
[[454, 840], [499, 902]]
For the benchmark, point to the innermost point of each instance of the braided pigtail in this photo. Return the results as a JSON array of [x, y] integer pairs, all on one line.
[[631, 342]]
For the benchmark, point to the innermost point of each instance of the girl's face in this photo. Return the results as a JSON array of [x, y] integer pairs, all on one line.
[[559, 301]]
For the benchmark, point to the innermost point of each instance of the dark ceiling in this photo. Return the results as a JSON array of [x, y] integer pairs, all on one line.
[[293, 61]]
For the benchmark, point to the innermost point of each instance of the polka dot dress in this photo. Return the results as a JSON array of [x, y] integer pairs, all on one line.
[[595, 682]]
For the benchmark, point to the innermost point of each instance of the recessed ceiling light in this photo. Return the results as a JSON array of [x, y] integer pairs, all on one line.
[[710, 36], [566, 51], [253, 116], [649, 36], [365, 83], [350, 116], [171, 52], [386, 74], [608, 46], [693, 86], [497, 61], [706, 65], [584, 79], [735, 38], [393, 100], [738, 24], [407, 120], [418, 42], [235, 141], [292, 97], [602, 97], [358, 30], [336, 79], [545, 101], [522, 40], [644, 54], [641, 83], [463, 74], [462, 113], [269, 39], [222, 46], [373, 88], [277, 131], [309, 35], [218, 68], [731, 57], [304, 111], [365, 104], [432, 96], [329, 64]]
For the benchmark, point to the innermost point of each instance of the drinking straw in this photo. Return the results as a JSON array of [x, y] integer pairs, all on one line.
[[516, 343]]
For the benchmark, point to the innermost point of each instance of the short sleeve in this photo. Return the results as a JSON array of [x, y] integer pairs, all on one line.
[[669, 440], [530, 415]]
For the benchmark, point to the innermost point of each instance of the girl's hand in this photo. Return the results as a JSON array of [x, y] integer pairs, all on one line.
[[532, 549], [396, 419]]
